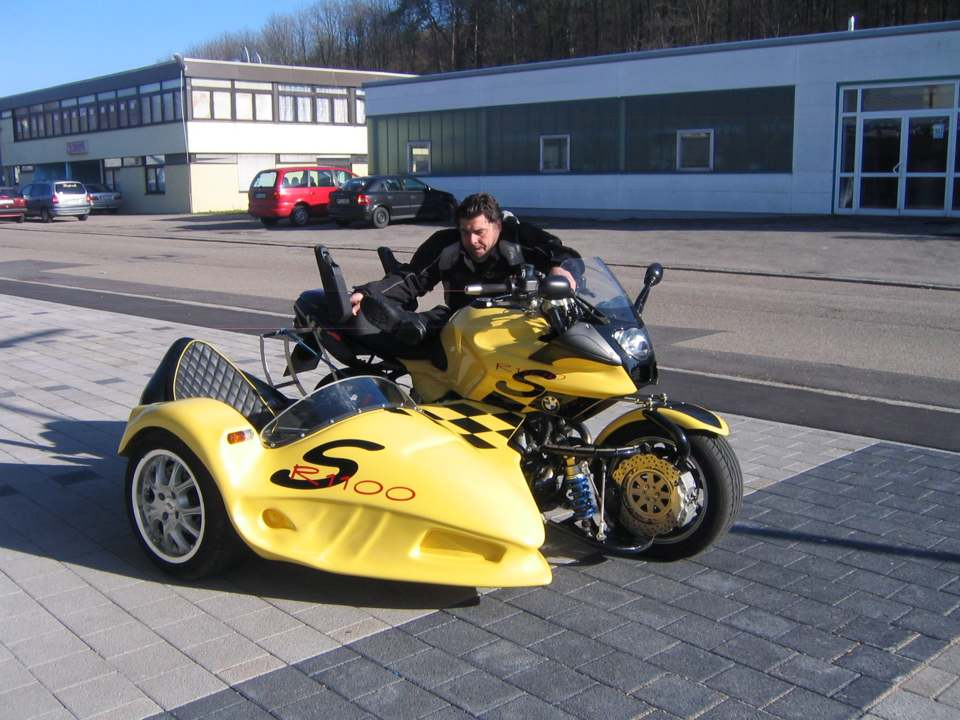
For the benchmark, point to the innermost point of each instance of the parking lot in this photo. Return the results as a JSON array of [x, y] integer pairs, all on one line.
[[836, 594]]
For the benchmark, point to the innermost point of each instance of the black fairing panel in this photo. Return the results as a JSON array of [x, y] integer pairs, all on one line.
[[580, 341]]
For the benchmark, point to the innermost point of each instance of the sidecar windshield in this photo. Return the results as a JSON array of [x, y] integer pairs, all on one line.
[[598, 286], [331, 403]]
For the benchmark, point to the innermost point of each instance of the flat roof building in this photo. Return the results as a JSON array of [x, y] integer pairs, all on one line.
[[187, 135], [847, 122]]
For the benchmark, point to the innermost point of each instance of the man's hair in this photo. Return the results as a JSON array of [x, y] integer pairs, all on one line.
[[479, 204]]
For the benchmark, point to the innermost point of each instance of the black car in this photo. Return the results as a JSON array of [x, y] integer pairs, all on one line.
[[378, 199]]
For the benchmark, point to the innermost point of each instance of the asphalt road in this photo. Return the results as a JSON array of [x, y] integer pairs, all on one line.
[[850, 325]]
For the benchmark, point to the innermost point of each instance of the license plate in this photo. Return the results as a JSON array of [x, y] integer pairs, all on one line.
[[259, 195], [343, 201]]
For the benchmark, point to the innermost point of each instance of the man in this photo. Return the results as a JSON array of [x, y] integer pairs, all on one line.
[[487, 246]]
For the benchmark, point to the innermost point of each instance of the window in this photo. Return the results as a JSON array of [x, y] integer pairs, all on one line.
[[361, 111], [221, 105], [304, 110], [111, 173], [323, 110], [418, 157], [286, 108], [156, 176], [554, 153], [244, 105], [200, 100], [264, 107], [340, 110], [695, 149]]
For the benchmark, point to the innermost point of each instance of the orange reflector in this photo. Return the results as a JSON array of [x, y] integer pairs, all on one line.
[[239, 436], [277, 520]]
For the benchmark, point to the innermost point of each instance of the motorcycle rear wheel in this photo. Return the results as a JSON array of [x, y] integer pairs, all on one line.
[[713, 477]]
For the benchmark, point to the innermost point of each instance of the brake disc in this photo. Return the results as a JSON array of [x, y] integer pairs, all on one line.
[[656, 498]]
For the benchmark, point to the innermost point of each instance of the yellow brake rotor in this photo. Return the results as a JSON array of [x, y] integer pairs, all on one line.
[[652, 499]]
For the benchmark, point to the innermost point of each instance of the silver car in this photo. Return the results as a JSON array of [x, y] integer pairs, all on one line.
[[56, 198], [104, 198]]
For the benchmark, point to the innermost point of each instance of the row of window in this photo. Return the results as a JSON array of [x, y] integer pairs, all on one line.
[[131, 107], [694, 153], [263, 101], [209, 100]]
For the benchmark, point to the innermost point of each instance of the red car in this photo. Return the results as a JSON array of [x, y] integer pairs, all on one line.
[[11, 204], [298, 193]]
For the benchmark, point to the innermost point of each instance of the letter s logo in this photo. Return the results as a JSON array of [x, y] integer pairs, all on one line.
[[346, 468], [521, 377]]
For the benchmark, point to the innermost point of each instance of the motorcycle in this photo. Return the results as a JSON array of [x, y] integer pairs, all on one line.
[[451, 482]]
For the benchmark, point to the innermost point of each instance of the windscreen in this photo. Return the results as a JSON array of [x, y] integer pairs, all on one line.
[[265, 179], [598, 286], [356, 184], [70, 188], [333, 402]]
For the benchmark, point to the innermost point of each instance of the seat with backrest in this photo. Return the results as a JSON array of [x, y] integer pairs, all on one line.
[[192, 368]]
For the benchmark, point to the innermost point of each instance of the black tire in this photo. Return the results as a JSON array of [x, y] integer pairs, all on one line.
[[342, 223], [269, 222], [21, 218], [380, 217], [448, 211], [212, 545], [45, 215], [714, 471], [82, 218], [300, 216]]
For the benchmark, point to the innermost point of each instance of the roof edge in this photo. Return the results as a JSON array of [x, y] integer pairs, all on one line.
[[837, 36]]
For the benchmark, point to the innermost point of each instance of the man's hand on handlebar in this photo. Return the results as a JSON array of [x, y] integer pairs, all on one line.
[[564, 273]]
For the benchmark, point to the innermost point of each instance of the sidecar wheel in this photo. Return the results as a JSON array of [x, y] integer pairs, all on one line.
[[176, 511], [711, 497]]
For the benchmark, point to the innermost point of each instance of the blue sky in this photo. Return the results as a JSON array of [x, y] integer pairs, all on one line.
[[57, 41]]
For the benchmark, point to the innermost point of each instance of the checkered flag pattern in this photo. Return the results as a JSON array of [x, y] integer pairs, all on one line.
[[475, 423]]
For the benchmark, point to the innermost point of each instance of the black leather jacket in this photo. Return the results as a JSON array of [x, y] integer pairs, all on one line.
[[442, 258]]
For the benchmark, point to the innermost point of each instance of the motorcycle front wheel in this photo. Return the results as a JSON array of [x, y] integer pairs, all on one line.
[[685, 509]]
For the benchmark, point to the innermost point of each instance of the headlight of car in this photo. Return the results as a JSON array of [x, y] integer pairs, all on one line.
[[635, 342]]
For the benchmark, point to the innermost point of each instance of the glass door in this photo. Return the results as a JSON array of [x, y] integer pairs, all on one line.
[[880, 164], [925, 172], [898, 151]]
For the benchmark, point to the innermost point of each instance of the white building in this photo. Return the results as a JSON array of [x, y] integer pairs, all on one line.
[[187, 135], [847, 122]]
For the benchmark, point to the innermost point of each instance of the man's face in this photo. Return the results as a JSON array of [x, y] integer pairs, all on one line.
[[478, 236]]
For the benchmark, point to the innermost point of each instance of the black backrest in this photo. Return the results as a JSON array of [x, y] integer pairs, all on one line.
[[192, 368], [337, 297]]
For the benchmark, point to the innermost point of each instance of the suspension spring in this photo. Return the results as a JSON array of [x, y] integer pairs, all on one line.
[[579, 490]]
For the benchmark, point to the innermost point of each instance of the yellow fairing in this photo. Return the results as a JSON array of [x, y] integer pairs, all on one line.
[[488, 353], [431, 496], [687, 416]]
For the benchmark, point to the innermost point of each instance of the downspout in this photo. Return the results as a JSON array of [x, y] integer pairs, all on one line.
[[178, 58]]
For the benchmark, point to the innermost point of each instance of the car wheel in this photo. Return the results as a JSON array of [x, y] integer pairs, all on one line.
[[45, 215], [299, 216], [21, 218], [448, 211], [81, 218], [380, 217], [342, 223], [269, 222], [175, 509]]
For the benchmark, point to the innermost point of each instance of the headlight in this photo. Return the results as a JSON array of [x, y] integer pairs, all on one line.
[[634, 342]]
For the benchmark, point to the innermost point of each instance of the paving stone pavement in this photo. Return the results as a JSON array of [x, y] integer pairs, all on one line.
[[836, 594]]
